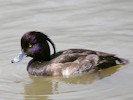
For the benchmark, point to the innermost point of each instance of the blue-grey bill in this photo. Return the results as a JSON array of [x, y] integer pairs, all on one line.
[[19, 57]]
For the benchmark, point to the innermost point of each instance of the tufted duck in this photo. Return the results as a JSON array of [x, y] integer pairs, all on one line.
[[67, 62]]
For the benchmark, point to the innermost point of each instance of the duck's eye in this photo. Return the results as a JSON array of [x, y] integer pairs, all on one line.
[[30, 45]]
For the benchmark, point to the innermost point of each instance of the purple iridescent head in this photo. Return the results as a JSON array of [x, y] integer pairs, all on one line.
[[35, 44]]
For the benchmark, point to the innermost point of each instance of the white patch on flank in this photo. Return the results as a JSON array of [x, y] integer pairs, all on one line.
[[66, 72]]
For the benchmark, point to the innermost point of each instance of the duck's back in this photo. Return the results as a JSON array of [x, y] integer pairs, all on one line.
[[73, 61]]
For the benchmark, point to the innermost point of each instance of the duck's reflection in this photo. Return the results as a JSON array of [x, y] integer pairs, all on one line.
[[41, 87]]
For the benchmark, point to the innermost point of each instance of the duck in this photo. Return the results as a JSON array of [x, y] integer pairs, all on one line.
[[73, 61]]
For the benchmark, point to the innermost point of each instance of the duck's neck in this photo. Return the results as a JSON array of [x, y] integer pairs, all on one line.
[[42, 57], [44, 52], [41, 60]]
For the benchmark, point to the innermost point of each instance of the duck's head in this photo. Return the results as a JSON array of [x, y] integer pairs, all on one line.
[[35, 44]]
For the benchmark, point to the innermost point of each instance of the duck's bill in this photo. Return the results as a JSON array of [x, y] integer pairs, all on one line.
[[18, 58]]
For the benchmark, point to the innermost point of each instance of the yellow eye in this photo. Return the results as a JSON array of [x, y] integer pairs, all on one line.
[[30, 45]]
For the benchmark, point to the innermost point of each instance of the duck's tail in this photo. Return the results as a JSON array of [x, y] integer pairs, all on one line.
[[108, 61], [121, 61]]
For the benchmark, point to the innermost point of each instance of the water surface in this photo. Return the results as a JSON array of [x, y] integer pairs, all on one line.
[[103, 25]]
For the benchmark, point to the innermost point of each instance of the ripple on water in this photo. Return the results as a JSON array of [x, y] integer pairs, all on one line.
[[93, 24]]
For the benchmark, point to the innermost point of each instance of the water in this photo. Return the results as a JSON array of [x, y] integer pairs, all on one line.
[[103, 25]]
